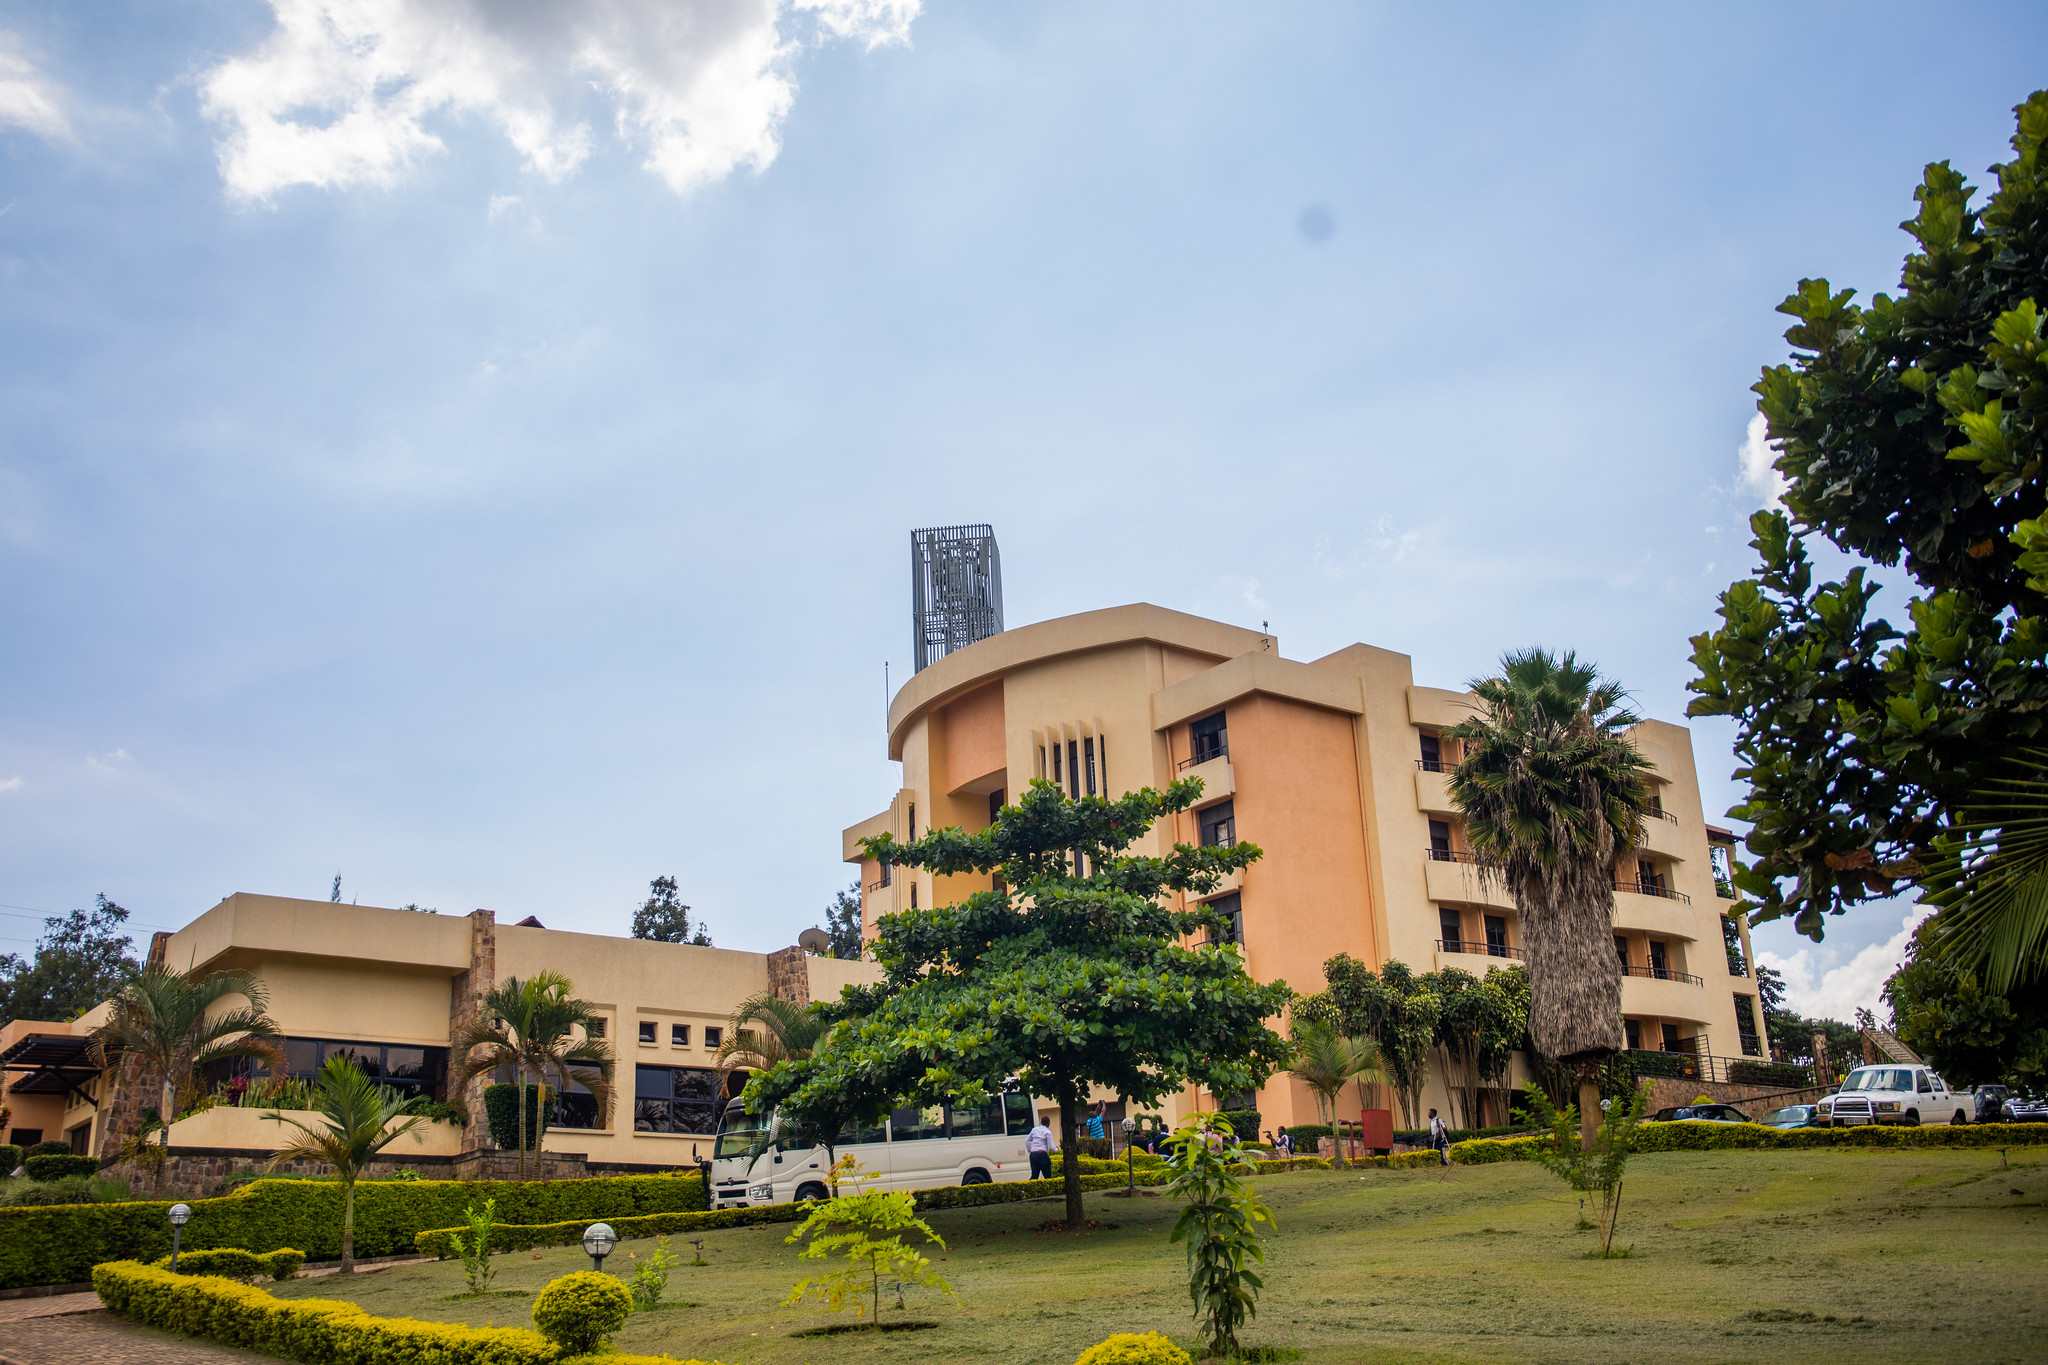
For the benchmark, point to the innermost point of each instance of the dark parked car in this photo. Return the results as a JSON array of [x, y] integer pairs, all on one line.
[[1792, 1116], [1990, 1101], [1710, 1113], [2020, 1108]]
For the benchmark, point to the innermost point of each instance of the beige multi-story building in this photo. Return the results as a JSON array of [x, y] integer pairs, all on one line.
[[388, 988], [1336, 767]]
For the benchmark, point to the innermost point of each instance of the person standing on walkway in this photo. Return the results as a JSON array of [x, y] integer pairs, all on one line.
[[1440, 1138], [1040, 1145]]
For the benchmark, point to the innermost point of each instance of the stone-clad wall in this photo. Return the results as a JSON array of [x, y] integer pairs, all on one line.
[[789, 978]]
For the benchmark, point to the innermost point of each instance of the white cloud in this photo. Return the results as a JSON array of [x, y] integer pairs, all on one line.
[[1822, 991], [105, 762], [12, 784], [340, 93], [501, 203], [28, 99], [1757, 477]]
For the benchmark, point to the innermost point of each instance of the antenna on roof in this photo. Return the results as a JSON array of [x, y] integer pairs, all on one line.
[[956, 590]]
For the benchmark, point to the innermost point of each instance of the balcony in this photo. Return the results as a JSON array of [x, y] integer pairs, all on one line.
[[1433, 787], [1652, 889], [1451, 877], [1664, 995], [1501, 950], [1663, 974], [1218, 782], [1663, 836]]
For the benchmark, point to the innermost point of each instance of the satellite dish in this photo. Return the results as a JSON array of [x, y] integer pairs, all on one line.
[[814, 941]]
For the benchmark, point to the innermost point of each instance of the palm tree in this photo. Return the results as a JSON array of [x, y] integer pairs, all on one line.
[[527, 1026], [1326, 1061], [1988, 875], [172, 1022], [1553, 793], [360, 1118], [784, 1032]]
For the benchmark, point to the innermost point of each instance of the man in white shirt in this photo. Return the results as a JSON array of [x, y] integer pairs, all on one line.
[[1040, 1145], [1439, 1138]]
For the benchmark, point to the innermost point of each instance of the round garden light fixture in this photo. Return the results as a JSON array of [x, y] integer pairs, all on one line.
[[598, 1240], [180, 1214], [1606, 1105]]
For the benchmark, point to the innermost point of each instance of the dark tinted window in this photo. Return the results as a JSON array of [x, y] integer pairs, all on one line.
[[917, 1123], [714, 1036], [850, 1135], [652, 1083], [1017, 1113], [1439, 837], [679, 1035], [1447, 924], [675, 1099], [302, 1055], [646, 1030], [1219, 824], [405, 1063], [1432, 752], [1209, 738], [985, 1120], [1231, 907]]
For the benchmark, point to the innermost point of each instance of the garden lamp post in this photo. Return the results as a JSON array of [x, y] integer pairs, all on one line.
[[179, 1215], [1130, 1160], [598, 1240]]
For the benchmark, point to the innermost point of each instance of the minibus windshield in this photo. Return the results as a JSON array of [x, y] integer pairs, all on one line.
[[741, 1134]]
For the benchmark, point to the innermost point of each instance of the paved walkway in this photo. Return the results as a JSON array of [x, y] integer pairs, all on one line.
[[99, 1338]]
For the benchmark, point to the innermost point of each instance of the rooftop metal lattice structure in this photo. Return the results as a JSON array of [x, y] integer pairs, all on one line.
[[956, 590]]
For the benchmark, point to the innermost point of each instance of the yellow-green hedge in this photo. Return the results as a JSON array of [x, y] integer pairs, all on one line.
[[60, 1244], [1699, 1135], [440, 1242], [320, 1331]]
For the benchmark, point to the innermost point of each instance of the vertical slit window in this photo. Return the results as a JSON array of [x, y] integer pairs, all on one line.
[[1088, 752], [1073, 769]]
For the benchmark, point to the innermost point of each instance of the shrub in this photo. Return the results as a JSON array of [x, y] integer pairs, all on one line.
[[501, 1113], [441, 1242], [61, 1245], [57, 1167], [236, 1264], [1307, 1135], [1770, 1073], [1131, 1348], [475, 1250], [1485, 1151], [24, 1193], [1244, 1123], [444, 1112], [304, 1329], [580, 1310], [650, 1275], [10, 1158], [51, 1148], [1097, 1147]]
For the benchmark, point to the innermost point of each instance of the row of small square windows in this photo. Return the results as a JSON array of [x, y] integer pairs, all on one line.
[[678, 1034]]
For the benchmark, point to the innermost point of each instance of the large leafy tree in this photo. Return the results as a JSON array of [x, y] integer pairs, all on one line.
[[664, 918], [1910, 433], [1553, 792], [1969, 1033], [1394, 1008], [1480, 1022], [843, 922], [178, 1025], [81, 959], [1073, 972]]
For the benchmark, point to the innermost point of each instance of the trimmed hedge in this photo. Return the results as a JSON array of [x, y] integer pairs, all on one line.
[[1698, 1135], [501, 1115], [61, 1244], [53, 1147], [1244, 1123], [10, 1157], [1771, 1073], [440, 1242], [237, 1264], [57, 1167]]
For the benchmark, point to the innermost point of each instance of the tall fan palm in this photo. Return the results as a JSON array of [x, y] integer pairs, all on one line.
[[1326, 1061], [1553, 792], [528, 1026], [172, 1022], [1989, 877], [362, 1120]]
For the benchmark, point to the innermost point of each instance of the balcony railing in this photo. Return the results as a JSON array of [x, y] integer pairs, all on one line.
[[1435, 765], [1460, 945], [1700, 1066], [1664, 974], [1220, 751], [1725, 889], [1661, 815], [1652, 889], [1452, 855]]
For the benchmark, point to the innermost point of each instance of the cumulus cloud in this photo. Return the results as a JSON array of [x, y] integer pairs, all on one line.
[[12, 784], [1757, 477], [1822, 990], [341, 92], [28, 99]]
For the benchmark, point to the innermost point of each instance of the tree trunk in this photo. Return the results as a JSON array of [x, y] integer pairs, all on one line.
[[519, 1092], [1589, 1104], [1070, 1159], [348, 1227], [170, 1102]]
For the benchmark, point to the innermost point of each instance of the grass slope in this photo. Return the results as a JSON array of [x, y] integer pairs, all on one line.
[[1739, 1256]]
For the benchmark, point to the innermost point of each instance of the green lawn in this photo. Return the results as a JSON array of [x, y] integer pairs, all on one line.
[[1780, 1256]]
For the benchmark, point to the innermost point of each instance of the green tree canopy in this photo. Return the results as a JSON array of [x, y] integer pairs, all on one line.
[[1911, 434], [1072, 973], [81, 959], [1967, 1033], [1480, 1023], [664, 918], [843, 923], [1394, 1008]]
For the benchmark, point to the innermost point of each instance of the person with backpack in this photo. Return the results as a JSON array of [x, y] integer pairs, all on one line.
[[1440, 1138]]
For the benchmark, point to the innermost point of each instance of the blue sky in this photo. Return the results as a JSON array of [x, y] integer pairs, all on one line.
[[486, 472]]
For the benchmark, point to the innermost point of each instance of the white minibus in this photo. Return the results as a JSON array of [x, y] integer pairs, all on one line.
[[915, 1148]]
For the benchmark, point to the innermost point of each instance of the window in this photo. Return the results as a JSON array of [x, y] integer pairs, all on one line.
[[1074, 769], [1621, 949], [1447, 920], [1922, 1084], [1656, 802], [1209, 738], [1646, 873], [1745, 1025], [1432, 754], [1218, 824], [597, 1028], [913, 822], [1496, 936], [1017, 1113], [675, 1099], [1056, 778], [984, 1120], [1658, 961], [1633, 1028], [1439, 841], [995, 804], [80, 1137], [1088, 756], [913, 895], [575, 1107], [1231, 907], [647, 1027], [851, 1134], [678, 1035], [1671, 1043], [883, 879], [715, 1036], [416, 1072], [917, 1123], [25, 1137]]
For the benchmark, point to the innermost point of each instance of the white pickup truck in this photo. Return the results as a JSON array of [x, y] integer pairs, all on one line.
[[1891, 1093]]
